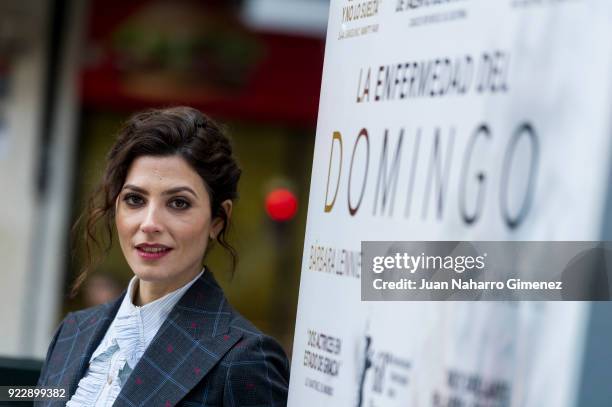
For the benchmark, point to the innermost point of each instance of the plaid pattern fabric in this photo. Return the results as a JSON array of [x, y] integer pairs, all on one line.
[[205, 354]]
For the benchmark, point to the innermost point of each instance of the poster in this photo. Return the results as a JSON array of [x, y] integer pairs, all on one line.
[[459, 120]]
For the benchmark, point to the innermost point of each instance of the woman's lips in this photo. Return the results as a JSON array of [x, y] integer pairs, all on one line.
[[152, 255]]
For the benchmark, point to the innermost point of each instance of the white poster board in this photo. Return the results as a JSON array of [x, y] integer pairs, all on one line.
[[451, 120]]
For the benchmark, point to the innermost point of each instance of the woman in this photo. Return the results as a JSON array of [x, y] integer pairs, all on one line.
[[171, 338]]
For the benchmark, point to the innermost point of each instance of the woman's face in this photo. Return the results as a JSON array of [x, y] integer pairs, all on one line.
[[164, 221]]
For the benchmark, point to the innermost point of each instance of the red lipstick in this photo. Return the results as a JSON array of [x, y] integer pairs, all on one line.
[[152, 251]]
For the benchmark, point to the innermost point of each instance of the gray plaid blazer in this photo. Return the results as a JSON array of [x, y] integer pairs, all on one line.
[[204, 354]]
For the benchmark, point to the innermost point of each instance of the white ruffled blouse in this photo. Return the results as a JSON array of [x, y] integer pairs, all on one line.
[[124, 343]]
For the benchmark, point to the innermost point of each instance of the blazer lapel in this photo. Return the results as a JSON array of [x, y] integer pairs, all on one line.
[[191, 341], [88, 330]]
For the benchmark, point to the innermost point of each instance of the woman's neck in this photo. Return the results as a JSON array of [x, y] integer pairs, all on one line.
[[145, 292]]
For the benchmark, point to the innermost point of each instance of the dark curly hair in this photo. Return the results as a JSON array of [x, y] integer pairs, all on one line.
[[181, 131]]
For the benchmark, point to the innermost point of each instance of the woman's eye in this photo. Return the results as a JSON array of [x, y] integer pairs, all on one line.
[[133, 200], [179, 204]]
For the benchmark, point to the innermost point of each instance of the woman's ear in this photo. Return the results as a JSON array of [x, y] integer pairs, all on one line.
[[218, 222]]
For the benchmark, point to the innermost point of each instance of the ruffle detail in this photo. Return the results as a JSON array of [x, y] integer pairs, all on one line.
[[88, 392], [129, 335]]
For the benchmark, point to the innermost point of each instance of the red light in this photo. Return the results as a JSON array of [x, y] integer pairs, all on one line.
[[281, 204]]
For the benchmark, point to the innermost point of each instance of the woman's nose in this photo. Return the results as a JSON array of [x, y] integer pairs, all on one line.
[[151, 222]]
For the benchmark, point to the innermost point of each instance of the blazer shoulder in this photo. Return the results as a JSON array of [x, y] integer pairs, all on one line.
[[247, 329], [257, 368], [85, 314], [253, 339]]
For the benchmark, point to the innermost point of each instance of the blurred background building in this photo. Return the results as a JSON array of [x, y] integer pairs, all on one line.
[[72, 71]]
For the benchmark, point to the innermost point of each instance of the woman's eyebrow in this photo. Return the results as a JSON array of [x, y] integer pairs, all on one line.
[[167, 192], [135, 188], [180, 189]]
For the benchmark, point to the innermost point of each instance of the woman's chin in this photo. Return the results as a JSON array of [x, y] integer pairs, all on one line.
[[151, 273]]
